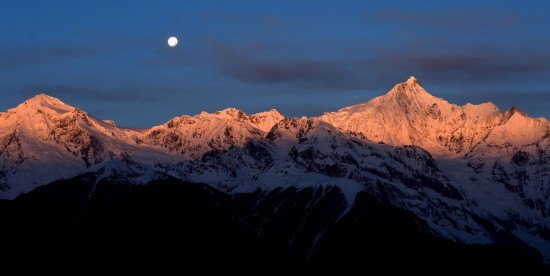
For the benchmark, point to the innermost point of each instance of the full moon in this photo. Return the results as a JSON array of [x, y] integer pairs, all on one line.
[[172, 41]]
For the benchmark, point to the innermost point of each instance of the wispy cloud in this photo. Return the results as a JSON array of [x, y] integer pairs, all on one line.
[[239, 63], [387, 66], [122, 92], [95, 44], [472, 67], [456, 21], [233, 17], [31, 55]]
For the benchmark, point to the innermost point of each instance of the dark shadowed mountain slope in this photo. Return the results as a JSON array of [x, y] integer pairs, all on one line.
[[171, 225]]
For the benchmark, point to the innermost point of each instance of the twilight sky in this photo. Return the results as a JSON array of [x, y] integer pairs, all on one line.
[[111, 59]]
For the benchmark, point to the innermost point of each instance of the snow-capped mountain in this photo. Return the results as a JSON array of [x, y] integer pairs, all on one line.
[[192, 137], [498, 160], [44, 139], [408, 115], [469, 172]]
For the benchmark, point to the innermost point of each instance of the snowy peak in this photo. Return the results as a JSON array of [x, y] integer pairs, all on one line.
[[42, 101], [292, 128], [412, 81], [230, 113], [225, 114], [410, 89], [513, 111], [193, 136], [515, 131], [409, 115], [40, 114], [265, 120]]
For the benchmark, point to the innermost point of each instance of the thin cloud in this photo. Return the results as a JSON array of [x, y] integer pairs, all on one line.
[[41, 52], [31, 55], [232, 17], [239, 63], [456, 21], [122, 92], [471, 67], [481, 67], [175, 57], [387, 66]]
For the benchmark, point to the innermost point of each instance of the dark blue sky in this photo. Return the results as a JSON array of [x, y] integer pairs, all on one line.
[[111, 59]]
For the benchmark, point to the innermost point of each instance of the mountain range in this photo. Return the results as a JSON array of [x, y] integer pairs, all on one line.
[[462, 174]]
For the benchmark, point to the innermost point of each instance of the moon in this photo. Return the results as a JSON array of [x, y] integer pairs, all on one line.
[[172, 41]]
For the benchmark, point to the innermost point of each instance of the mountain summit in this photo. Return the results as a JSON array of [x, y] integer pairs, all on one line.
[[411, 86], [45, 101], [412, 81], [409, 115]]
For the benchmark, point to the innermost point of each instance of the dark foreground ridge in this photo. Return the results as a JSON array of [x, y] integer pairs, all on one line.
[[171, 225]]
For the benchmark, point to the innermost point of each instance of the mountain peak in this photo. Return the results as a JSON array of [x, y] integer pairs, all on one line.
[[45, 101], [515, 109], [412, 81], [512, 111], [266, 120], [263, 120], [228, 113], [272, 112], [409, 89], [411, 84], [231, 112], [410, 115], [43, 98]]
